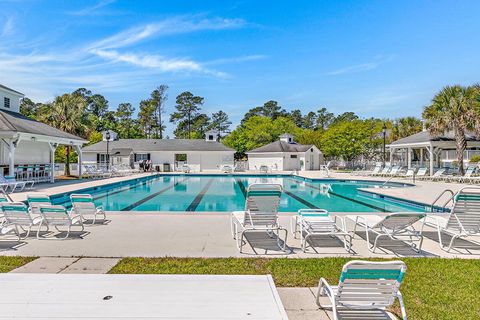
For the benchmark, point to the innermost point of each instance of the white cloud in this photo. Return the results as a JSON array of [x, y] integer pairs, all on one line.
[[240, 59], [379, 60], [7, 28], [93, 10], [170, 26]]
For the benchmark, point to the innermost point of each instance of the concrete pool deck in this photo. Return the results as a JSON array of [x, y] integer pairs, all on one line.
[[143, 234], [203, 234]]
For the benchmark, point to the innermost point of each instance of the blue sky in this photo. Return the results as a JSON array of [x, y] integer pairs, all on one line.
[[377, 58]]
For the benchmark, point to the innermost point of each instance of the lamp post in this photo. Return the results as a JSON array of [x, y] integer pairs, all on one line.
[[384, 132], [107, 137]]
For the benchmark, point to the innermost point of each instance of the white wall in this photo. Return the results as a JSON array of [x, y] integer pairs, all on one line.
[[14, 100], [29, 152], [308, 155], [289, 163], [199, 160], [274, 161]]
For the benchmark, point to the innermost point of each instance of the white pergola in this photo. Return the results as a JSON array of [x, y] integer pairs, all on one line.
[[13, 141], [429, 147]]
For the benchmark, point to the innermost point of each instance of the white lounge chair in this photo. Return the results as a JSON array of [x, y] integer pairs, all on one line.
[[421, 173], [463, 220], [365, 285], [57, 216], [467, 177], [384, 171], [36, 200], [260, 214], [83, 205], [16, 216], [393, 172], [14, 184], [396, 226], [226, 168], [318, 222], [438, 175], [375, 171], [263, 169]]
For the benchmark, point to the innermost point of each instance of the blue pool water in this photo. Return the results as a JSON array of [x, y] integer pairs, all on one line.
[[227, 193]]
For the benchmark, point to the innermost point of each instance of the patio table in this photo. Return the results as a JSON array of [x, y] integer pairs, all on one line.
[[92, 296]]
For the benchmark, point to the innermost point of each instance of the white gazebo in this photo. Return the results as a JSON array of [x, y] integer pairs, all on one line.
[[424, 149], [27, 147]]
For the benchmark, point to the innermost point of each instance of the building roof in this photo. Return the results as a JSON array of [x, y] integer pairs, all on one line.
[[138, 145], [121, 152], [426, 136], [11, 90], [281, 146], [15, 122]]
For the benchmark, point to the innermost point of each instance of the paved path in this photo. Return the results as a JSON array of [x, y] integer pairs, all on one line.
[[68, 265]]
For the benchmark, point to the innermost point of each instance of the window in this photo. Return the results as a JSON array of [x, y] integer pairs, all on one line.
[[103, 158], [6, 102], [210, 138], [293, 156], [141, 156]]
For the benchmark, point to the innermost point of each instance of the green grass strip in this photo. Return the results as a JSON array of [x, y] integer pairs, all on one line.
[[433, 288], [7, 264]]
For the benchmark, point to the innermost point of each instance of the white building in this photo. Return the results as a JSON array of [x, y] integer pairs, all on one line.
[[199, 154], [423, 149], [285, 155], [27, 147]]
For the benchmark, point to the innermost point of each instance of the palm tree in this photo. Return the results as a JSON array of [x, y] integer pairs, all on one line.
[[454, 109], [67, 113], [404, 127]]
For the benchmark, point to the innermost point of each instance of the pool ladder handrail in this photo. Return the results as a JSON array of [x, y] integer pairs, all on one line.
[[388, 180], [452, 196]]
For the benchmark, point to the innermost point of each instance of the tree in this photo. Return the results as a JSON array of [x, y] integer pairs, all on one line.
[[297, 117], [258, 131], [324, 118], [220, 122], [188, 107], [310, 121], [404, 127], [28, 108], [346, 116], [270, 109], [67, 113], [146, 118], [454, 108], [351, 139], [159, 98], [125, 123]]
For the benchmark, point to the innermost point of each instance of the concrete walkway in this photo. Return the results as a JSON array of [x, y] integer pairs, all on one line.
[[68, 265]]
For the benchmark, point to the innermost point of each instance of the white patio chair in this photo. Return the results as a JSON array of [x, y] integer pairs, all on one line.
[[185, 168], [260, 214], [263, 169], [375, 171], [83, 206], [438, 175], [463, 221], [227, 168], [15, 217], [396, 226], [467, 176], [393, 172], [384, 171], [35, 200], [13, 184], [57, 216], [365, 285], [317, 222], [421, 173]]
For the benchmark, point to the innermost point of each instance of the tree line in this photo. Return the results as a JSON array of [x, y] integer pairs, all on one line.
[[344, 136]]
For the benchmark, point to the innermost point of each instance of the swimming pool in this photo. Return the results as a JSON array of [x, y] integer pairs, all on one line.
[[199, 193]]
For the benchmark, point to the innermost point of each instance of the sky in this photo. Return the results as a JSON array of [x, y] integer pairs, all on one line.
[[376, 58]]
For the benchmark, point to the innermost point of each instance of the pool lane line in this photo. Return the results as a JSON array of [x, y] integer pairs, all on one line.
[[193, 206], [107, 194], [153, 195], [301, 200], [242, 187], [372, 206]]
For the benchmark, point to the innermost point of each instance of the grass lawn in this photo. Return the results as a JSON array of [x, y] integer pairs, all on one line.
[[7, 264], [433, 288]]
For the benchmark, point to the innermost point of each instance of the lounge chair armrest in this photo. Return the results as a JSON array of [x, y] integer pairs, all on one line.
[[100, 209], [37, 220], [324, 288], [77, 218]]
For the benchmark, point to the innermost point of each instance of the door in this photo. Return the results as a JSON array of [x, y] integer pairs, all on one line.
[[312, 163]]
